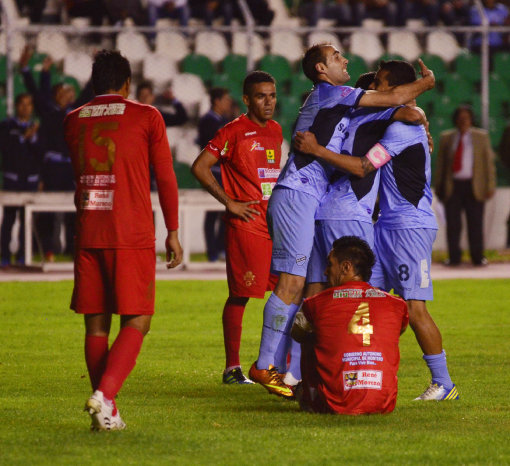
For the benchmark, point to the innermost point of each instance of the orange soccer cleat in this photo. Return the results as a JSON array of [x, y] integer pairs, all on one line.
[[271, 380]]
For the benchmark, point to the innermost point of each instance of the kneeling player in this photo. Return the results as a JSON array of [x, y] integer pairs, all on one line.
[[349, 335]]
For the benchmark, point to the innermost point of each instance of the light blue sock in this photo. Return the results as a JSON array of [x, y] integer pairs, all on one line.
[[295, 359], [437, 365], [282, 350], [276, 315]]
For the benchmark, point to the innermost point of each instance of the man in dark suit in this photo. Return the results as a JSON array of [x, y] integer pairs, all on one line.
[[217, 117], [465, 179]]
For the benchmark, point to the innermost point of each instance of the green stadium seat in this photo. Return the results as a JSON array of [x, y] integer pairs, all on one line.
[[458, 88], [496, 128], [468, 66], [3, 68], [426, 101], [19, 85], [288, 106], [356, 67], [390, 56], [436, 64], [3, 108], [443, 107], [222, 80], [278, 67], [234, 66], [287, 125], [300, 85], [184, 177], [499, 95], [198, 65], [73, 82], [501, 63]]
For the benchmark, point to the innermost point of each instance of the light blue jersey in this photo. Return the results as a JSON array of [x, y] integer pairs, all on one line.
[[350, 197], [405, 196], [321, 113]]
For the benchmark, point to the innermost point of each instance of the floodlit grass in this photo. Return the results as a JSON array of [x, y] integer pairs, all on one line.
[[177, 410]]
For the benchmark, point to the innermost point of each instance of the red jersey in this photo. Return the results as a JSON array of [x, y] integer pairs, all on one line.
[[250, 165], [357, 328], [112, 142]]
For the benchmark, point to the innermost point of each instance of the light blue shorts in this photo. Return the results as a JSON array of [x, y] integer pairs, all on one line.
[[326, 232], [403, 262], [291, 224]]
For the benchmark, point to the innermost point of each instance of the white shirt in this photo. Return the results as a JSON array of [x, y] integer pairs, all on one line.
[[466, 172]]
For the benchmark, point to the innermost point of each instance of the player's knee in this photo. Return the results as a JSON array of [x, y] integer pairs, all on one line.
[[289, 287], [418, 312]]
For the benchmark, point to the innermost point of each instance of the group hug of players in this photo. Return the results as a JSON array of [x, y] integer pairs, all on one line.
[[305, 232]]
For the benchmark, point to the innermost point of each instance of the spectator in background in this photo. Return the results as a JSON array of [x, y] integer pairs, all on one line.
[[426, 10], [504, 156], [455, 12], [209, 10], [384, 10], [145, 95], [34, 9], [497, 14], [21, 165], [217, 117], [465, 179], [174, 9], [52, 104], [313, 10], [93, 9], [120, 10]]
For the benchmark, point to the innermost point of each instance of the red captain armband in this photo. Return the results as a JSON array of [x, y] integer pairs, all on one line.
[[378, 155]]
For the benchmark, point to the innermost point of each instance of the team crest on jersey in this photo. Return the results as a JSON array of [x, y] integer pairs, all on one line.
[[249, 278], [225, 149], [256, 146], [270, 155], [300, 259]]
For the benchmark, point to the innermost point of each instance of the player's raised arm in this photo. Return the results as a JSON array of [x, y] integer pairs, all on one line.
[[402, 94], [201, 170]]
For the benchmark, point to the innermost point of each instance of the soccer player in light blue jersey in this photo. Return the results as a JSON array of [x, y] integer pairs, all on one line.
[[299, 189], [406, 228], [348, 205]]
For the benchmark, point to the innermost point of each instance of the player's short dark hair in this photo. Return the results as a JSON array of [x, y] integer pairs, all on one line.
[[463, 108], [399, 72], [365, 80], [110, 70], [20, 97], [358, 252], [256, 77], [145, 84], [314, 55], [217, 93]]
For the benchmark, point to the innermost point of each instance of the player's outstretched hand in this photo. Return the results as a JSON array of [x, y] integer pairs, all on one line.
[[427, 73], [306, 142], [243, 209], [173, 250]]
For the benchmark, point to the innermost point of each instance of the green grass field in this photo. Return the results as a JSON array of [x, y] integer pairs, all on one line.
[[177, 410]]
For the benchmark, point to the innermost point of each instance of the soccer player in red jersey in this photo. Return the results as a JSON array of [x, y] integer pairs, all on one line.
[[349, 335], [249, 151], [112, 142]]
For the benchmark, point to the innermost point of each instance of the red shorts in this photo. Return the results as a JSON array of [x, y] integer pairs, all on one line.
[[118, 281], [248, 263]]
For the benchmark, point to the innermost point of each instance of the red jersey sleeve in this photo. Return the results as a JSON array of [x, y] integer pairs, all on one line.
[[219, 145], [161, 159]]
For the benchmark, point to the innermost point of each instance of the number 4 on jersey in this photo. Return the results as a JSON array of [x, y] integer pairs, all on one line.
[[360, 324]]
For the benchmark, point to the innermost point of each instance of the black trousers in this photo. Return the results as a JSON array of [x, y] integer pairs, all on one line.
[[214, 229], [9, 217], [462, 199]]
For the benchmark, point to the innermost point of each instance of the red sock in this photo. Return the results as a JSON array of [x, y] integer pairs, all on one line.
[[96, 353], [121, 361], [232, 327]]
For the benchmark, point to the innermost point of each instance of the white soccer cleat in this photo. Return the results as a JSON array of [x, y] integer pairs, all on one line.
[[101, 413], [437, 392]]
